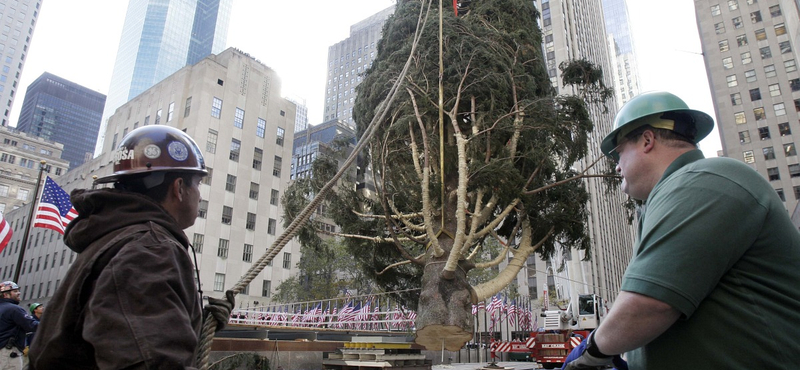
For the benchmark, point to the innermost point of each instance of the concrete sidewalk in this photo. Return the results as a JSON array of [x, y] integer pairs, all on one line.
[[475, 366]]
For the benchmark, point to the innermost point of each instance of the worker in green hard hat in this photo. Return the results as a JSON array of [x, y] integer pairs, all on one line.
[[713, 279]]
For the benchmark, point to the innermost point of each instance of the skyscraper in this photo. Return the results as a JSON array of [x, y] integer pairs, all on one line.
[[18, 23], [158, 38], [623, 53], [750, 51], [62, 111], [347, 61]]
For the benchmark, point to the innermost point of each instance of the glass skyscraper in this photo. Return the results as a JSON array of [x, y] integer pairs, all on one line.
[[19, 18], [65, 112], [160, 37], [623, 53]]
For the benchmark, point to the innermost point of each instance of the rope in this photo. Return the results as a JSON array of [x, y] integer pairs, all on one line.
[[209, 327]]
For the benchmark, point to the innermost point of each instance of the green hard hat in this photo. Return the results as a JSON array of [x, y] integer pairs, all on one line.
[[34, 306], [691, 123]]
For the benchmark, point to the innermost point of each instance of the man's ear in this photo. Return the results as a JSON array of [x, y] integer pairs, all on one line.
[[176, 189], [648, 140]]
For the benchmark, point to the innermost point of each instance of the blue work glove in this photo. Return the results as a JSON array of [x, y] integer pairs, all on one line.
[[579, 358]]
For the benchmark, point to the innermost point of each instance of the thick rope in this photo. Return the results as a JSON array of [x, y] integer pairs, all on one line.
[[210, 325]]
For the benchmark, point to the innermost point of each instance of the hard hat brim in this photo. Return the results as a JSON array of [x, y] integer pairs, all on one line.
[[702, 121]]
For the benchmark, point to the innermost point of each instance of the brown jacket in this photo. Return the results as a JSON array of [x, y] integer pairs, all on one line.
[[130, 300]]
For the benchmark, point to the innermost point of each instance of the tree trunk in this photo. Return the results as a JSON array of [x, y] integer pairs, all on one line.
[[444, 315]]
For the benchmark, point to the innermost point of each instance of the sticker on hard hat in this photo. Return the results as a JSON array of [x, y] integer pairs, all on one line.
[[178, 151], [152, 151], [122, 154]]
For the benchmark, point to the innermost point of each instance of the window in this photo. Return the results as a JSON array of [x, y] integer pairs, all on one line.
[[216, 107], [750, 76], [765, 52], [266, 288], [211, 143], [755, 94], [230, 183], [219, 282], [763, 133], [247, 253], [287, 260], [723, 46], [755, 16], [236, 145], [238, 118], [761, 35], [187, 107], [207, 178], [227, 215], [773, 174], [253, 190], [197, 242], [727, 62], [222, 249], [744, 137], [170, 111], [796, 107], [258, 156], [279, 136], [746, 58], [769, 153], [769, 71], [261, 127], [775, 11], [780, 109], [739, 118], [202, 209], [273, 198], [780, 194], [786, 47], [719, 27], [715, 10], [22, 194], [276, 167], [272, 224], [794, 84], [737, 22], [8, 158], [760, 114], [732, 81], [780, 29], [797, 192], [794, 170], [784, 129], [774, 90], [741, 40], [251, 221], [789, 150], [736, 99], [158, 118]]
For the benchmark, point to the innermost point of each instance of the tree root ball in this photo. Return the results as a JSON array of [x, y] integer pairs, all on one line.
[[438, 337]]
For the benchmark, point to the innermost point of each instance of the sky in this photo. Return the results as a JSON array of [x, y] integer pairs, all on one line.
[[77, 40]]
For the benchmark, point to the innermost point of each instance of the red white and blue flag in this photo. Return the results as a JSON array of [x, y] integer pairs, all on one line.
[[55, 210], [5, 233]]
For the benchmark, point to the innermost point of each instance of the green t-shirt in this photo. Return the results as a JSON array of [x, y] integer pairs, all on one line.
[[716, 243]]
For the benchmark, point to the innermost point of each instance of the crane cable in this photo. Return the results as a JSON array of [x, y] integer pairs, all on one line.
[[209, 327]]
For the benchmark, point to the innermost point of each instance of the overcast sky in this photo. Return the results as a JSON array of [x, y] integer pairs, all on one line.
[[77, 40]]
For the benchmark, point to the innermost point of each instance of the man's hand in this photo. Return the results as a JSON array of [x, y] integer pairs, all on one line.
[[581, 359], [220, 309]]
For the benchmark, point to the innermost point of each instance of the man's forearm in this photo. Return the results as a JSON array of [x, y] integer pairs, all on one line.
[[634, 321]]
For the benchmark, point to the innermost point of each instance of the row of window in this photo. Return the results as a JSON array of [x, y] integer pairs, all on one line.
[[775, 10], [789, 150], [759, 113], [764, 133], [27, 163], [22, 194], [219, 286], [783, 196], [773, 174], [238, 122], [235, 150]]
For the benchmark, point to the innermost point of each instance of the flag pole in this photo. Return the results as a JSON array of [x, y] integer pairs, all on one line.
[[29, 223]]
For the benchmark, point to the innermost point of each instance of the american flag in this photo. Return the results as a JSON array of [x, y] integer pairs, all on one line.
[[511, 313], [314, 314], [347, 312], [324, 316], [397, 317], [55, 210], [495, 305], [5, 233], [363, 316]]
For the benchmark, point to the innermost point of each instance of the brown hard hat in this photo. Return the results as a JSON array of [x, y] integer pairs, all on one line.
[[155, 148]]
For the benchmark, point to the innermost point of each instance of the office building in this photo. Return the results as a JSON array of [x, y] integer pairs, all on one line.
[[750, 50], [301, 121], [18, 21], [622, 50], [160, 37], [20, 158], [574, 29], [59, 110], [347, 61], [246, 140]]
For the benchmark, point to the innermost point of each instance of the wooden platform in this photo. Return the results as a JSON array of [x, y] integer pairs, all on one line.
[[376, 354]]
